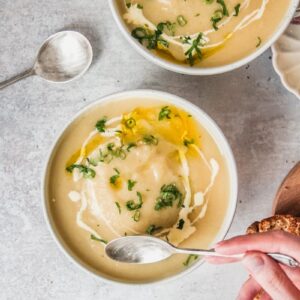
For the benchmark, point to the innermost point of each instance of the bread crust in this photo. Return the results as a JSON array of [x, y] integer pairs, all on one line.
[[286, 223]]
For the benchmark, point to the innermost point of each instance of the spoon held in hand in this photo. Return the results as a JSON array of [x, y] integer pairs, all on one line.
[[142, 249]]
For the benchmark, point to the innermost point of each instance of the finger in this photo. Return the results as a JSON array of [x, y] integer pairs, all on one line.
[[268, 274], [274, 241], [293, 274], [264, 296], [216, 260], [249, 290]]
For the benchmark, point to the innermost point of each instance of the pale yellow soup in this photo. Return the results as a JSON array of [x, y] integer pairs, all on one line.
[[230, 29], [168, 147]]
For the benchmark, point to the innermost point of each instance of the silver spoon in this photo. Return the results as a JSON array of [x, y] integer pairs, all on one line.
[[63, 57], [148, 249]]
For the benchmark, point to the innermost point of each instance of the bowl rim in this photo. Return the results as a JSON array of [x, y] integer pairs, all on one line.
[[207, 70], [219, 138], [276, 53]]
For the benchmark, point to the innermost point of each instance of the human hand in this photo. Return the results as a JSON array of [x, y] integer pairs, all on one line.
[[278, 281]]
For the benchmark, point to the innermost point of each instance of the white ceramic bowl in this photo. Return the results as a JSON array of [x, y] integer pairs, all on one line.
[[286, 57], [198, 114], [200, 71]]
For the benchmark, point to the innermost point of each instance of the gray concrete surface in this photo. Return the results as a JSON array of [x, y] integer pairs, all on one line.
[[259, 117]]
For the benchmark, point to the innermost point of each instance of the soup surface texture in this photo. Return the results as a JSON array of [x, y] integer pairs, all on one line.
[[137, 166], [206, 33]]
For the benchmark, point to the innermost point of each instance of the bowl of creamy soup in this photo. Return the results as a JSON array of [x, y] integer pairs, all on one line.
[[202, 37], [139, 163]]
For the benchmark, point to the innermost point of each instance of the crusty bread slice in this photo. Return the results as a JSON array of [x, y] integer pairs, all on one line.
[[286, 223]]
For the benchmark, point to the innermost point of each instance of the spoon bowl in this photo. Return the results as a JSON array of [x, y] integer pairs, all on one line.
[[139, 249], [64, 56]]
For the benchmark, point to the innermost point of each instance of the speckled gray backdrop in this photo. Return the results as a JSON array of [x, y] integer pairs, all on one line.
[[259, 117]]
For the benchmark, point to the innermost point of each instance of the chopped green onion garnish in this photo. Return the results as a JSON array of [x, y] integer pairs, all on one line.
[[130, 145], [150, 140], [181, 20], [151, 228], [118, 206], [93, 237], [187, 142], [224, 7], [237, 10], [113, 179], [131, 205], [136, 216], [180, 224], [130, 184], [100, 125], [130, 123], [86, 171], [164, 113], [168, 194], [191, 257]]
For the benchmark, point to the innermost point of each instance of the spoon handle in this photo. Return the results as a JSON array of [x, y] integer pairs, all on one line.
[[14, 79], [281, 258]]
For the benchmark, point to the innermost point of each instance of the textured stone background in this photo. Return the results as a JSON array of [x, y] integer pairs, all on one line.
[[259, 117]]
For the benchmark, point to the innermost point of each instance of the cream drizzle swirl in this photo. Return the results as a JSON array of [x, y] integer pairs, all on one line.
[[134, 15], [174, 235]]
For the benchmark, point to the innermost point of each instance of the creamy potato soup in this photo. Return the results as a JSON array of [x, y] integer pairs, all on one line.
[[131, 167], [206, 33]]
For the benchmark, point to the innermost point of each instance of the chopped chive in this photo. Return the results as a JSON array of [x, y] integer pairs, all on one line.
[[118, 206], [237, 10], [150, 140], [164, 113], [180, 224], [92, 161], [86, 171], [93, 237], [168, 194], [224, 7], [187, 142], [130, 145], [131, 205], [152, 228], [113, 179], [100, 125], [136, 216], [130, 184], [130, 123], [194, 49], [181, 20], [216, 18], [188, 261]]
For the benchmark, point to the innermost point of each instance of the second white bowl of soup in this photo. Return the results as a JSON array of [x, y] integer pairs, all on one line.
[[202, 37], [139, 162]]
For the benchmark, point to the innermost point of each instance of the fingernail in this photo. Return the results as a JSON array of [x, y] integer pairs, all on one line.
[[253, 262]]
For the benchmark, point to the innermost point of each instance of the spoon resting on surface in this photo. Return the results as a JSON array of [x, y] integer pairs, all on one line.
[[63, 57], [142, 249]]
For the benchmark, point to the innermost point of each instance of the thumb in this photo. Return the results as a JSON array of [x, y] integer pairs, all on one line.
[[270, 276]]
